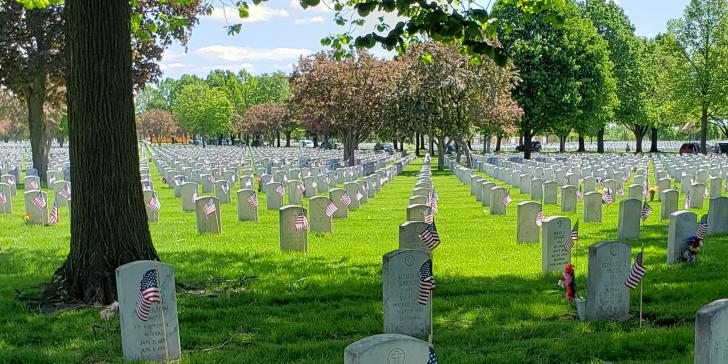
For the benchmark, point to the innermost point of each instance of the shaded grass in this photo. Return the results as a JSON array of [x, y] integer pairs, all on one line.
[[492, 304]]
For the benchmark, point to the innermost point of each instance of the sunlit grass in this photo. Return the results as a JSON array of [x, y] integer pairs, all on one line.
[[492, 304]]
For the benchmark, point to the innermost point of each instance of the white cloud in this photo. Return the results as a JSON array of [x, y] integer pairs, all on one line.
[[172, 66], [315, 19], [229, 67], [256, 14], [321, 7], [171, 54], [246, 54]]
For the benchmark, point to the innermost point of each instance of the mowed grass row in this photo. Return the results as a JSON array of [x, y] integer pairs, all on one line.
[[491, 305]]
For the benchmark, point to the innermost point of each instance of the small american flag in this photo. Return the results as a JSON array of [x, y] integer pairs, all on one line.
[[607, 196], [428, 217], [572, 238], [154, 203], [51, 179], [301, 188], [701, 230], [281, 191], [301, 223], [359, 196], [11, 181], [148, 294], [331, 208], [39, 200], [32, 184], [625, 177], [430, 237], [432, 202], [539, 218], [427, 282], [65, 192], [211, 178], [620, 191], [54, 213], [579, 194], [646, 211], [253, 200], [434, 195], [507, 198], [346, 199], [637, 272], [225, 188], [209, 207], [3, 198], [432, 359], [687, 202]]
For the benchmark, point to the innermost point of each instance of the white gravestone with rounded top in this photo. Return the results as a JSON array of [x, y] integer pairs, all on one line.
[[387, 349], [554, 231], [293, 235], [207, 211], [711, 333], [607, 295], [247, 205], [527, 230], [148, 311], [682, 225], [403, 313]]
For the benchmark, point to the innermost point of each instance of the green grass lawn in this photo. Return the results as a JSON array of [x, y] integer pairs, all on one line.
[[491, 305]]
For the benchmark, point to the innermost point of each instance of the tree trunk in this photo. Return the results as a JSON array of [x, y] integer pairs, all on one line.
[[417, 144], [498, 139], [441, 153], [219, 139], [61, 139], [401, 145], [394, 142], [581, 144], [562, 143], [288, 138], [35, 99], [527, 142], [432, 146], [422, 140], [639, 135], [232, 139], [653, 140], [704, 129], [600, 141], [315, 140], [108, 218], [278, 138]]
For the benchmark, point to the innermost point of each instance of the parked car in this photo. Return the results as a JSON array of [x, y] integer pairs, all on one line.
[[258, 143], [535, 147], [721, 148], [326, 145], [689, 148], [384, 147], [306, 143]]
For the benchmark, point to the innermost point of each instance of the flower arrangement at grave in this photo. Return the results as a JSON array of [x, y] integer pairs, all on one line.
[[25, 217], [260, 183], [693, 247], [569, 282], [652, 190]]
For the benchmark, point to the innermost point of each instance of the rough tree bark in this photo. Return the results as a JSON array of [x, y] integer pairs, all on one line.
[[288, 137], [35, 99], [441, 153], [653, 140], [417, 144], [562, 143], [600, 141], [109, 223], [498, 143], [581, 144], [704, 129]]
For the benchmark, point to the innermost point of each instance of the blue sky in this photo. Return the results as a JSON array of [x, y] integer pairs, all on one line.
[[279, 31]]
